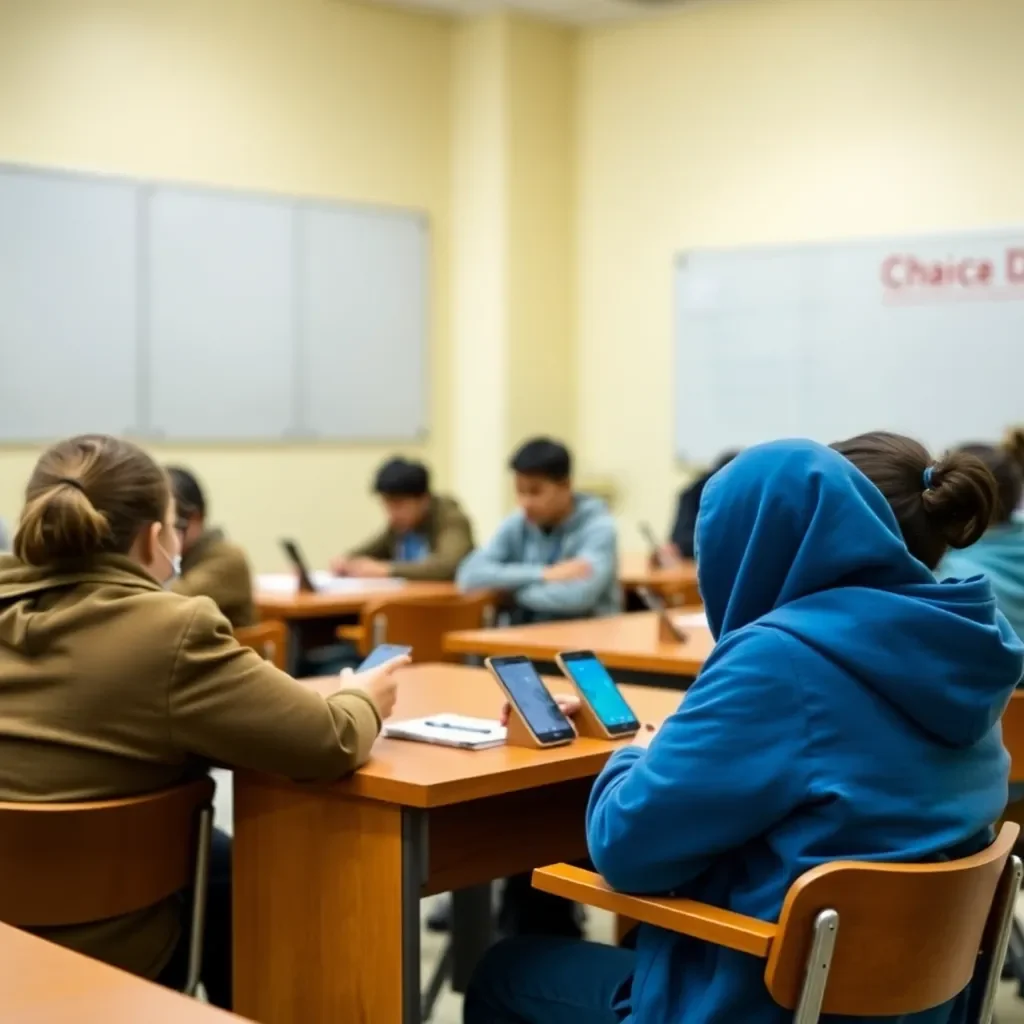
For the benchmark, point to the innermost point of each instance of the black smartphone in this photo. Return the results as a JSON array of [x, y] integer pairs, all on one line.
[[291, 549], [654, 547], [382, 653], [524, 688], [599, 692]]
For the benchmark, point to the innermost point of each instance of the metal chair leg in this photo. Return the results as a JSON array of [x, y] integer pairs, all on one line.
[[199, 892], [819, 963], [1006, 904], [442, 972]]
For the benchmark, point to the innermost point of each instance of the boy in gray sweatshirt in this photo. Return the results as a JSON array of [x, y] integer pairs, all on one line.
[[557, 555]]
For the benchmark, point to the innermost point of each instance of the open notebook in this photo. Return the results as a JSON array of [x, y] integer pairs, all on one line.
[[448, 730]]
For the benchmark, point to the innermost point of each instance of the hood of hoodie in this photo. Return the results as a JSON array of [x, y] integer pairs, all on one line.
[[30, 604], [585, 509], [793, 536]]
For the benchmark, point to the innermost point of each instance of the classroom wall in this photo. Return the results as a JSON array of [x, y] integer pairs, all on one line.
[[739, 122], [309, 97]]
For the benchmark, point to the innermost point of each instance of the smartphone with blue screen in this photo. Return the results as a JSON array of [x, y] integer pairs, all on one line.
[[524, 688], [602, 700], [382, 653]]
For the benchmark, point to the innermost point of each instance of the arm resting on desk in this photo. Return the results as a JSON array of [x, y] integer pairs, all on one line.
[[494, 566], [687, 917]]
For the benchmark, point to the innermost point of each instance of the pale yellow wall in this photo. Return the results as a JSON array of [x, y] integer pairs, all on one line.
[[760, 121], [310, 97]]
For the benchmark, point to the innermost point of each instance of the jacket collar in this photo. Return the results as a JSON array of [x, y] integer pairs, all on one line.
[[18, 579]]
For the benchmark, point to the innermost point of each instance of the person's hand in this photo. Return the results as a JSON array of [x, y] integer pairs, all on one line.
[[645, 735], [339, 565], [568, 704], [367, 568], [572, 569], [380, 684]]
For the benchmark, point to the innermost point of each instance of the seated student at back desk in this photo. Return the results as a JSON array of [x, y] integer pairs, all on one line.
[[681, 543], [427, 534], [111, 685], [211, 566], [556, 557], [850, 711]]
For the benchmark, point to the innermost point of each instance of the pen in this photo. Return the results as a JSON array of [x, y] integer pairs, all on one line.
[[458, 728]]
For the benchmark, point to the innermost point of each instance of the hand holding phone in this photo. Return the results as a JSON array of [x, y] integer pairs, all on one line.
[[379, 683], [536, 708]]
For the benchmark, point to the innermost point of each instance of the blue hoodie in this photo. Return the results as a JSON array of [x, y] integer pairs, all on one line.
[[849, 711], [517, 555], [999, 555]]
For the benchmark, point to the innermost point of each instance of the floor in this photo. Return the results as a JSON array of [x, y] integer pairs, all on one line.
[[1009, 1009]]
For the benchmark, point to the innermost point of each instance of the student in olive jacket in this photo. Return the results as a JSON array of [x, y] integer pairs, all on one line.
[[426, 537], [211, 566], [111, 685]]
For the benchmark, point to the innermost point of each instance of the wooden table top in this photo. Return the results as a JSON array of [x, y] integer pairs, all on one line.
[[423, 775], [630, 642], [635, 571], [303, 605], [41, 983]]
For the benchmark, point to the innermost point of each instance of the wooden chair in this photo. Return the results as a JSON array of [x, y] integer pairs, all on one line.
[[911, 933], [1013, 740], [68, 864], [420, 624], [268, 639]]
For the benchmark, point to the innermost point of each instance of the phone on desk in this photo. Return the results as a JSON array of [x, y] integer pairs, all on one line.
[[652, 543], [382, 653], [526, 691], [602, 701], [291, 550]]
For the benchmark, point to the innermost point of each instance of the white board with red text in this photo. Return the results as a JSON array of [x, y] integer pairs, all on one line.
[[923, 336]]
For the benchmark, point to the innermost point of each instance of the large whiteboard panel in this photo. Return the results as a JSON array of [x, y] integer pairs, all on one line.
[[923, 336], [221, 315], [364, 316], [68, 311]]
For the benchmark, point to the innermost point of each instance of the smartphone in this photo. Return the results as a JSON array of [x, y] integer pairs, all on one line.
[[382, 653], [652, 544], [652, 601], [599, 692], [524, 688], [291, 549]]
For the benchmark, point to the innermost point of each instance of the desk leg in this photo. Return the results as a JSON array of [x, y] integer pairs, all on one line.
[[326, 905], [472, 931]]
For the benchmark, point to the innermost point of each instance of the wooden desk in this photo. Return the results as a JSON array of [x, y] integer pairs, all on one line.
[[677, 584], [629, 642], [41, 983], [301, 609], [328, 878]]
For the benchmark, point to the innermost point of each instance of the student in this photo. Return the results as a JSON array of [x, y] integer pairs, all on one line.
[[849, 711], [557, 556], [427, 534], [111, 685], [211, 566], [681, 544], [999, 554]]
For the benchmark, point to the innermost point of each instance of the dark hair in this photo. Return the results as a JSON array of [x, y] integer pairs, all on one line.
[[543, 457], [1008, 475], [951, 508], [400, 478], [188, 495], [1013, 443], [87, 496]]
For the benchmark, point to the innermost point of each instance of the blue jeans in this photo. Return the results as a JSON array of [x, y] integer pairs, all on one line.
[[542, 980], [216, 966]]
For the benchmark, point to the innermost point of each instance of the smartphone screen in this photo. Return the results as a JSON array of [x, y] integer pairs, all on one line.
[[531, 696], [600, 691], [385, 652]]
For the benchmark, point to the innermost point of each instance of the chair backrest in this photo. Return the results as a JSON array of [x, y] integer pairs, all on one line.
[[939, 911], [268, 639], [63, 864], [423, 624], [1013, 735]]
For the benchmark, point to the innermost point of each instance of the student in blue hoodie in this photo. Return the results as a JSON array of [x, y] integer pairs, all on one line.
[[849, 711], [556, 557]]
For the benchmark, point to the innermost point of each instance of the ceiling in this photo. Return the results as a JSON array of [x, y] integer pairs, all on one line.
[[580, 12]]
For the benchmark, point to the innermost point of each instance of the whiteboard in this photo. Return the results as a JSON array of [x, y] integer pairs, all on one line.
[[923, 336], [68, 305], [181, 313]]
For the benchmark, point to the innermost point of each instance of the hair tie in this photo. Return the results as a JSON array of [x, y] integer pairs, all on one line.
[[77, 484], [929, 475]]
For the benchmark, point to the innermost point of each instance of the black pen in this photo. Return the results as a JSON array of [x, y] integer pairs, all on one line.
[[458, 728]]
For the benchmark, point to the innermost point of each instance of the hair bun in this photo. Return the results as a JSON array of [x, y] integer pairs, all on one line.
[[962, 499], [60, 523]]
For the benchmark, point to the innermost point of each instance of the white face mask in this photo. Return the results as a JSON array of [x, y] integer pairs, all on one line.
[[175, 567]]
